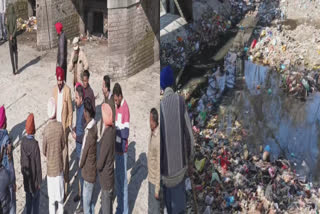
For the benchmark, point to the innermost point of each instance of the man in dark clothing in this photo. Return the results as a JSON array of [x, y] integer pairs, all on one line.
[[31, 167], [88, 92], [5, 199], [176, 145], [105, 164], [12, 33], [62, 49]]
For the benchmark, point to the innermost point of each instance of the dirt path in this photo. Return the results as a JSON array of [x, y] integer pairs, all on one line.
[[30, 90]]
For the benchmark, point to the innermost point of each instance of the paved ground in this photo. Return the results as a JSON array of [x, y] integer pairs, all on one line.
[[30, 90]]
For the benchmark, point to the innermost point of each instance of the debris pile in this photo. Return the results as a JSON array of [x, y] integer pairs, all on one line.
[[290, 57], [27, 25], [202, 31], [228, 178]]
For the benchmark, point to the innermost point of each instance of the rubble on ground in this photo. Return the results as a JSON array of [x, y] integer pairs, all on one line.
[[27, 25], [228, 178], [290, 56], [205, 30]]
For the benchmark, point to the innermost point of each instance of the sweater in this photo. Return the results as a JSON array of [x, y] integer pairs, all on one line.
[[176, 147], [88, 158], [105, 164], [30, 164], [122, 126], [53, 145]]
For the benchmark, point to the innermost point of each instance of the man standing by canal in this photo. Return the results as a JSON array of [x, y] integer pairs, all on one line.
[[62, 96], [176, 145], [62, 49], [122, 135], [12, 32]]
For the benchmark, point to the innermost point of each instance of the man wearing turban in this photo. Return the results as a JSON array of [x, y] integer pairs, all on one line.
[[176, 144], [62, 49], [30, 163], [62, 96]]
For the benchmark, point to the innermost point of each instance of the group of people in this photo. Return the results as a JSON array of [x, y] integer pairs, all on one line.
[[109, 162]]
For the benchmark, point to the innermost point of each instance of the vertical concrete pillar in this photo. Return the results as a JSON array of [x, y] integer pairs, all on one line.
[[172, 6], [90, 21], [82, 28], [163, 6]]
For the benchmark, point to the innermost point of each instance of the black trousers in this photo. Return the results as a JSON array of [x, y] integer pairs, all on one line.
[[13, 47], [106, 201]]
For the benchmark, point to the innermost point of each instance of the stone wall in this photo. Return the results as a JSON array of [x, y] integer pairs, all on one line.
[[50, 12], [132, 38], [21, 7]]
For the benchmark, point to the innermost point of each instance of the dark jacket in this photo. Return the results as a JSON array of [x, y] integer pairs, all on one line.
[[88, 92], [5, 198], [11, 21], [105, 164], [30, 164], [176, 144], [62, 52], [88, 162]]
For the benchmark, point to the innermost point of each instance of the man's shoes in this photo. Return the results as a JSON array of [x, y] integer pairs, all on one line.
[[77, 198]]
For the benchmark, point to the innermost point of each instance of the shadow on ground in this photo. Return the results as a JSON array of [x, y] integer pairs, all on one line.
[[139, 173], [32, 62]]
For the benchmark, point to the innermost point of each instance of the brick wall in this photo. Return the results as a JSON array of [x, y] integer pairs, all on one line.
[[21, 7], [48, 13], [132, 38]]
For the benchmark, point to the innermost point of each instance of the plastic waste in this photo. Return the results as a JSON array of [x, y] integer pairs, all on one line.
[[253, 44], [272, 172], [266, 153], [209, 200], [199, 164], [188, 184], [207, 210], [215, 177], [229, 200], [269, 91]]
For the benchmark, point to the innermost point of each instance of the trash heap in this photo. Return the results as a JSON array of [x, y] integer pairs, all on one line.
[[227, 178], [202, 31], [218, 82], [295, 57], [27, 25]]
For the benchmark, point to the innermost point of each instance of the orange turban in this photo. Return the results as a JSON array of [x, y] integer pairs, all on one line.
[[30, 127]]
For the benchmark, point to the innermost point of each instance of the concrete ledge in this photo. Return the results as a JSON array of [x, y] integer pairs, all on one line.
[[113, 4]]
